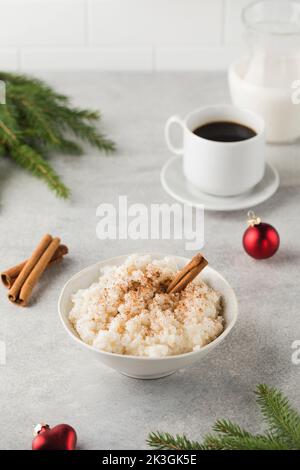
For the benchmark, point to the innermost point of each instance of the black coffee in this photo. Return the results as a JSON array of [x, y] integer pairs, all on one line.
[[225, 131]]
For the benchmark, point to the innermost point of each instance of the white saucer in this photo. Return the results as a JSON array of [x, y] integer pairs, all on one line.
[[175, 183]]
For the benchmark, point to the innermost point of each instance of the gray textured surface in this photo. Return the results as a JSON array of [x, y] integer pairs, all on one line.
[[49, 378]]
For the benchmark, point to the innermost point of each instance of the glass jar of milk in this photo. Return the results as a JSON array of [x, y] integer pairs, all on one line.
[[263, 81]]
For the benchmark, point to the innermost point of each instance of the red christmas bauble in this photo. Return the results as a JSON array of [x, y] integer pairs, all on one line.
[[260, 240], [61, 437]]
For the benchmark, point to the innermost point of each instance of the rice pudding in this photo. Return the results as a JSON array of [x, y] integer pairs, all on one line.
[[128, 311]]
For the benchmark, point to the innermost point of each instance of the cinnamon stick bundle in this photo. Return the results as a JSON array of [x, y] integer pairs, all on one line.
[[31, 270], [187, 274], [9, 276]]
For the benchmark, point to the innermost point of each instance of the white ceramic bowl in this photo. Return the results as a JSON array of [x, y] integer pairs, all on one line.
[[146, 367]]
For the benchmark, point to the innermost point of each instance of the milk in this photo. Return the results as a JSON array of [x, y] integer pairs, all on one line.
[[249, 88]]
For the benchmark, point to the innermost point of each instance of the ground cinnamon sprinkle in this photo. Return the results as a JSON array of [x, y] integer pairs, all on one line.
[[130, 312]]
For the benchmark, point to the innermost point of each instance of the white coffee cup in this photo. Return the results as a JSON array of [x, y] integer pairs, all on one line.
[[220, 168]]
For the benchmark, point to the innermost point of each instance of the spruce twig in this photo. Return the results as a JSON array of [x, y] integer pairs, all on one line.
[[37, 121], [283, 431], [282, 420], [251, 442], [164, 440], [30, 160]]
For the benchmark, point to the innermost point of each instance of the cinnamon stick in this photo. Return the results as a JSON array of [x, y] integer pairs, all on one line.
[[9, 276], [36, 272], [14, 291], [187, 274]]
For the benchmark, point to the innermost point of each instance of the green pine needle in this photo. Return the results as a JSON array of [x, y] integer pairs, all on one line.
[[30, 160], [227, 428], [36, 121], [283, 431], [282, 420], [164, 440], [252, 442]]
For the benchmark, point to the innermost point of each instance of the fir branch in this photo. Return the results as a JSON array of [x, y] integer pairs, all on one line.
[[33, 115], [37, 121], [8, 126], [164, 440], [78, 121], [282, 419], [228, 428], [32, 161], [33, 84], [283, 432], [251, 442], [67, 146]]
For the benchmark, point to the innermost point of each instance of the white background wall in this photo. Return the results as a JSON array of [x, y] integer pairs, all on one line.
[[119, 34]]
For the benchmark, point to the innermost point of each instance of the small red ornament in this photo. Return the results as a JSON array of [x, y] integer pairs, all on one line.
[[61, 437], [260, 240]]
